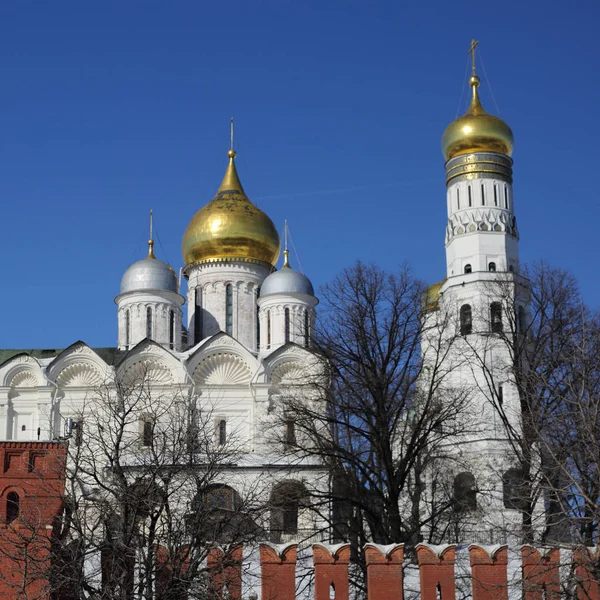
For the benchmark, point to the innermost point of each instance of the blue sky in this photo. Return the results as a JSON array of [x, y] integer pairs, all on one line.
[[109, 109]]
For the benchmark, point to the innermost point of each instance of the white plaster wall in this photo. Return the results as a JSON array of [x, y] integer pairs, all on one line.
[[212, 279], [161, 303]]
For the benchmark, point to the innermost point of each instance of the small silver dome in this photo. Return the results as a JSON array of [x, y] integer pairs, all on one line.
[[149, 274], [286, 281]]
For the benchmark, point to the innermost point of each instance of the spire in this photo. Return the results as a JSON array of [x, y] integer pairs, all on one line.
[[231, 181], [151, 240], [286, 252], [475, 107]]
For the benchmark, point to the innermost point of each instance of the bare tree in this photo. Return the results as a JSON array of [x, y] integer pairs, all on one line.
[[378, 415], [145, 496], [528, 325]]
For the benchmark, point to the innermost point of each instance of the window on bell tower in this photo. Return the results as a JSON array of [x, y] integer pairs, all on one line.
[[496, 317], [466, 319], [287, 325], [229, 309], [149, 322]]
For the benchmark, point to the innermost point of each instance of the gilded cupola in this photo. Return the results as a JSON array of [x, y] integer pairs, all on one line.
[[476, 130], [230, 227]]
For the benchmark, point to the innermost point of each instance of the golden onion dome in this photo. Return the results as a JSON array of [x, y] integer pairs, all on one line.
[[477, 131], [230, 227], [430, 300]]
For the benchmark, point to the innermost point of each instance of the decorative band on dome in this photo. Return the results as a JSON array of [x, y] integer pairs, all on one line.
[[479, 165]]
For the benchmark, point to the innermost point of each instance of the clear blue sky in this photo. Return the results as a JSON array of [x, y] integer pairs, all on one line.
[[111, 108]]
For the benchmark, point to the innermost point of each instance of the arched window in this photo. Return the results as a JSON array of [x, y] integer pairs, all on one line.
[[127, 328], [197, 315], [222, 432], [495, 195], [466, 320], [492, 267], [286, 500], [229, 309], [171, 329], [514, 489], [149, 322], [482, 195], [496, 317], [500, 395], [468, 269], [268, 329], [221, 497], [521, 322], [465, 492], [457, 199], [12, 507], [306, 328], [287, 324], [470, 198], [505, 197]]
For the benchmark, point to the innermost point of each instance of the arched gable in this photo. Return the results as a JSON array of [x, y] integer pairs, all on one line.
[[21, 371], [150, 362], [292, 365], [78, 366], [222, 360]]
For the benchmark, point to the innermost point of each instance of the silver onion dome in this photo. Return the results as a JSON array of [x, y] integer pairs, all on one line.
[[149, 274], [286, 281]]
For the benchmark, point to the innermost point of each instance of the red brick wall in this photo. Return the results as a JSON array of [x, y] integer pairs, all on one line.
[[436, 571], [384, 572], [278, 572], [488, 572], [35, 471], [331, 570], [540, 573], [225, 573]]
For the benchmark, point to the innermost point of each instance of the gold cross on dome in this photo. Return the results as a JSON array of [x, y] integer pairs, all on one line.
[[474, 44]]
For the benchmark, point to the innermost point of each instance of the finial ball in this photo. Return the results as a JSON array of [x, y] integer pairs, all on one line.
[[232, 153], [474, 81]]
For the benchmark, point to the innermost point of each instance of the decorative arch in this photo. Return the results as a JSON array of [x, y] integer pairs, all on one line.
[[292, 365], [21, 371], [77, 366], [149, 362], [222, 368], [222, 360]]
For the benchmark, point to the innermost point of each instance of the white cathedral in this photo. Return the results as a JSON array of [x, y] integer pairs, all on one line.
[[249, 325]]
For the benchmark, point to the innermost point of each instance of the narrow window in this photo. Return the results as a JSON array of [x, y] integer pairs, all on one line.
[[127, 328], [470, 199], [23, 427], [287, 324], [514, 489], [496, 317], [149, 322], [457, 199], [171, 329], [500, 395], [492, 267], [465, 492], [290, 433], [268, 329], [229, 309], [306, 328], [505, 197], [521, 324], [258, 321], [147, 433], [12, 507], [495, 195], [466, 319], [482, 195], [468, 269], [222, 431], [78, 432], [197, 315]]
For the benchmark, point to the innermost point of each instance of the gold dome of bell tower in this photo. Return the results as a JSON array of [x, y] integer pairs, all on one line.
[[476, 130], [230, 227]]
